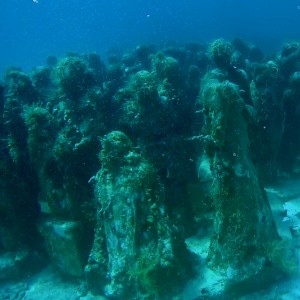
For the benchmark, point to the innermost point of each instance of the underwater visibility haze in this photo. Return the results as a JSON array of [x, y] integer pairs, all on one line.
[[31, 30], [149, 150]]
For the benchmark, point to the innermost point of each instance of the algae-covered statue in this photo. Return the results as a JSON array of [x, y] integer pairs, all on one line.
[[134, 240], [243, 224], [127, 222]]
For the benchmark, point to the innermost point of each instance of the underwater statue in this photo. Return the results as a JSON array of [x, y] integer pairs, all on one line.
[[243, 225]]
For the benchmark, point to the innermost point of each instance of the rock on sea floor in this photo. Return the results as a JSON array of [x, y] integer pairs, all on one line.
[[284, 199]]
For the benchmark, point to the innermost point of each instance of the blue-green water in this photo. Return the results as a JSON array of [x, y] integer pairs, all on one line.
[[31, 31], [149, 150]]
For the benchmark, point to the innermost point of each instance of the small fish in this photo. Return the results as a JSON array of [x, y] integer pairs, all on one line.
[[35, 1]]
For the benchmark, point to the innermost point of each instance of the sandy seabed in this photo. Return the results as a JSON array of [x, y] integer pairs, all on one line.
[[284, 199]]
